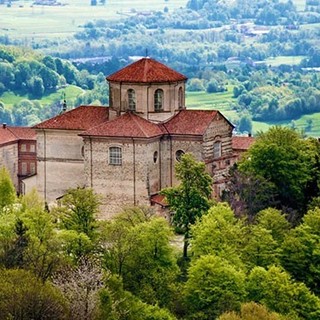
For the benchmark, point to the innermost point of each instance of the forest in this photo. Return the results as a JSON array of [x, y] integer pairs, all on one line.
[[254, 256], [234, 49]]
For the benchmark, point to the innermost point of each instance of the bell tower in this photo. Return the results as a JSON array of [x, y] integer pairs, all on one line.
[[148, 88]]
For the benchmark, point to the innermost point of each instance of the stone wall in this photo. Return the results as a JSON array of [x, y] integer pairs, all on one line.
[[128, 184]]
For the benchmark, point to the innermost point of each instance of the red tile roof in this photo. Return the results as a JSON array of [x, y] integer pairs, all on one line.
[[12, 134], [80, 118], [146, 70], [242, 143], [193, 122], [127, 125], [23, 133], [159, 199]]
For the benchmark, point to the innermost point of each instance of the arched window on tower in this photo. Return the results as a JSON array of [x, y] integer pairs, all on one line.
[[180, 98], [158, 100], [132, 100]]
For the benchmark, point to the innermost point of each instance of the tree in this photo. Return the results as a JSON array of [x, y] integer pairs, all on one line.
[[275, 289], [247, 194], [80, 286], [300, 251], [189, 200], [260, 248], [273, 220], [138, 250], [284, 158], [213, 287], [78, 211], [220, 233], [7, 190], [245, 123], [252, 311], [23, 296]]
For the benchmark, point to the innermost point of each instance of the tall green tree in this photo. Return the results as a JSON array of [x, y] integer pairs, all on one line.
[[300, 251], [214, 286], [23, 296], [284, 158], [78, 211], [220, 233], [278, 292], [138, 249], [190, 199]]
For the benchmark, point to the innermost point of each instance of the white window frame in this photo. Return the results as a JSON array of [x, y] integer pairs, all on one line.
[[115, 156]]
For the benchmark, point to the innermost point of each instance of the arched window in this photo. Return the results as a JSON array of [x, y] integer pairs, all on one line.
[[115, 156], [132, 100], [180, 98], [155, 156], [217, 149], [158, 100]]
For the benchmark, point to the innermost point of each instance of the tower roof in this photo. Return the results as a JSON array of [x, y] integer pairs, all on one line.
[[146, 70]]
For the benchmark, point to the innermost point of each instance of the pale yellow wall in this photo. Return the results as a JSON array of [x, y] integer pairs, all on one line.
[[9, 159], [59, 162], [145, 98]]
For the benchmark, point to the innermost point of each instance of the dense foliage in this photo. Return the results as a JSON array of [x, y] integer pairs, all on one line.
[[250, 265]]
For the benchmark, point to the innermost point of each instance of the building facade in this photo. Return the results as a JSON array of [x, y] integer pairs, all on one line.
[[127, 152], [18, 153]]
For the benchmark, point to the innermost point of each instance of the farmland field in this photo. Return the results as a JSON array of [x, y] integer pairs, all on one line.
[[23, 20], [290, 60]]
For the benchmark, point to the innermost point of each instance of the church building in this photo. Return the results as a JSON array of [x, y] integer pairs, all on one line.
[[127, 152]]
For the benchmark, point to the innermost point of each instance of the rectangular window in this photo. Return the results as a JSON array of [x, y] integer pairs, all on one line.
[[115, 156], [32, 148], [24, 168], [217, 150], [32, 168], [23, 148]]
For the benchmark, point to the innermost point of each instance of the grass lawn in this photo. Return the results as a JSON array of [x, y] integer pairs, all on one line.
[[290, 60], [71, 92], [300, 124]]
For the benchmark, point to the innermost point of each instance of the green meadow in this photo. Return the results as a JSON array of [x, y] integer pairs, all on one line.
[[71, 92]]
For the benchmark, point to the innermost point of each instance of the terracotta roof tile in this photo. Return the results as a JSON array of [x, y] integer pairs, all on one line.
[[127, 125], [24, 133], [159, 199], [242, 143], [146, 70], [193, 122], [80, 118], [11, 134]]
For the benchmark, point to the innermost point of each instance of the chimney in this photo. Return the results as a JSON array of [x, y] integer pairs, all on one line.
[[4, 125]]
